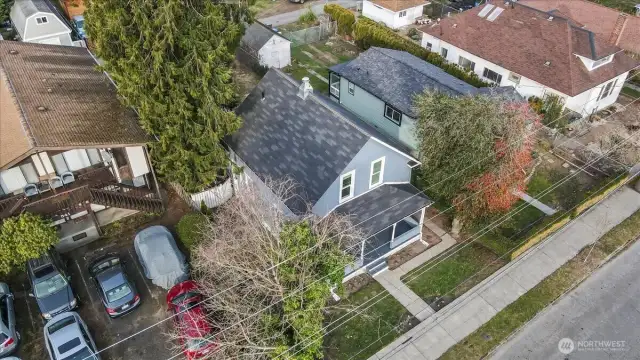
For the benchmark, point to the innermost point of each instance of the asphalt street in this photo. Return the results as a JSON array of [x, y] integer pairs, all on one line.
[[293, 16], [600, 319]]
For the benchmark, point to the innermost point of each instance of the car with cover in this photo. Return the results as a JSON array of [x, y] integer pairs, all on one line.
[[163, 263]]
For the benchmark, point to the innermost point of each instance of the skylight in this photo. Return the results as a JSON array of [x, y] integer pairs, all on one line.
[[485, 10], [495, 13]]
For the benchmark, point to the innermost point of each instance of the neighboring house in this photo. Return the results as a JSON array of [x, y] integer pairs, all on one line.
[[339, 163], [35, 21], [394, 13], [68, 149], [610, 25], [533, 51], [266, 46], [380, 84]]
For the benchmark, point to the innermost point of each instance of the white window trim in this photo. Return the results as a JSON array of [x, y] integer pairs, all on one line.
[[380, 181], [513, 76], [334, 88], [351, 88], [44, 22], [399, 123], [606, 61], [402, 13], [351, 173]]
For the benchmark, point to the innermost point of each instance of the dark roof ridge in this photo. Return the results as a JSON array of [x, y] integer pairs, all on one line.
[[416, 70], [270, 29]]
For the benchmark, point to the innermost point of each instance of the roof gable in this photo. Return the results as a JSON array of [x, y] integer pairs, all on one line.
[[257, 35]]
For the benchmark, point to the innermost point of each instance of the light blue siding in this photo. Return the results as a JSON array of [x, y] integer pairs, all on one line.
[[371, 109], [396, 170]]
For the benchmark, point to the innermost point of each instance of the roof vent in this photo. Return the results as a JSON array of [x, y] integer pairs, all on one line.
[[455, 25], [42, 108], [263, 95], [547, 63], [13, 52], [49, 90], [550, 18], [305, 88]]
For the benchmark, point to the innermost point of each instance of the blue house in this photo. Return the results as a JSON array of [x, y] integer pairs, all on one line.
[[340, 163]]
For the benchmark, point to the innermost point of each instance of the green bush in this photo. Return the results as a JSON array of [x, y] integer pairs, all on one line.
[[190, 229], [308, 17], [369, 33], [343, 17]]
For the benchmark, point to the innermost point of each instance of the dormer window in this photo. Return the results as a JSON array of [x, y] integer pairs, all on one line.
[[377, 171], [346, 185], [604, 60], [41, 20]]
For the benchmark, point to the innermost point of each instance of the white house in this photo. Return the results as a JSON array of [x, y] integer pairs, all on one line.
[[394, 13], [266, 46], [511, 44], [36, 22]]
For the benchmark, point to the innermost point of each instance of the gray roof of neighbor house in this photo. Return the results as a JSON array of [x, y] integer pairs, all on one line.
[[396, 76], [387, 204], [53, 98], [22, 9], [257, 34], [309, 140]]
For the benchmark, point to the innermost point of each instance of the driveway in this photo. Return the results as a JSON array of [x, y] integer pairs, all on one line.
[[293, 16], [600, 316]]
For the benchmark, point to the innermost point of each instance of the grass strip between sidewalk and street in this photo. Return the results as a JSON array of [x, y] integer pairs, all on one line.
[[482, 341]]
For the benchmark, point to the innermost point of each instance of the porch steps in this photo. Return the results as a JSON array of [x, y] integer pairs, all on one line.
[[377, 267], [126, 197]]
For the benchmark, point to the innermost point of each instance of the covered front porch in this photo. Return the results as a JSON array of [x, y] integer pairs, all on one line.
[[401, 233]]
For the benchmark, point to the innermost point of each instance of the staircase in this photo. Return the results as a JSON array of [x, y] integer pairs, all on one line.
[[126, 197], [617, 29]]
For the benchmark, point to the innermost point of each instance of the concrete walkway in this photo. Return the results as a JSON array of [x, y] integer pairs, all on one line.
[[390, 279], [535, 203], [438, 332]]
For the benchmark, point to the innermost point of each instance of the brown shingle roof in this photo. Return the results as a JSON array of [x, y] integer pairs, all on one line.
[[13, 138], [399, 5], [597, 18], [522, 39], [61, 101]]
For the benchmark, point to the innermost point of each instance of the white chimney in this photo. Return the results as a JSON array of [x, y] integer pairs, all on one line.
[[305, 88]]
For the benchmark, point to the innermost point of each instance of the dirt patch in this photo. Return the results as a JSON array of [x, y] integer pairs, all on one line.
[[439, 218], [357, 283], [266, 8], [396, 260]]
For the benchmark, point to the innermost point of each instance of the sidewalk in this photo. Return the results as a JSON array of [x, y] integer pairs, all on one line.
[[438, 332]]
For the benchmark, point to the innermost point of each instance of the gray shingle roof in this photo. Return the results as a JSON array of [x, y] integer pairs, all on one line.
[[286, 136], [257, 34], [384, 206], [396, 76]]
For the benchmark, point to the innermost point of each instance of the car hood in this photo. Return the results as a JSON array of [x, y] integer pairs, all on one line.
[[56, 301]]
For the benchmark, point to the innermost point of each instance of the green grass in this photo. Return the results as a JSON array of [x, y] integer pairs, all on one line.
[[622, 5], [478, 344], [359, 337], [446, 278], [633, 93]]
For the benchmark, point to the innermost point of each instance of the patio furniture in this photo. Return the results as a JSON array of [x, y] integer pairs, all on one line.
[[68, 178], [55, 182], [31, 190], [43, 187]]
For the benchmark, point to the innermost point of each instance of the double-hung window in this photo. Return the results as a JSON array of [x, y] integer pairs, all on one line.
[[377, 171], [352, 88], [347, 185], [466, 63], [392, 114], [334, 87], [41, 20], [444, 52], [607, 89], [429, 46], [492, 75], [403, 13]]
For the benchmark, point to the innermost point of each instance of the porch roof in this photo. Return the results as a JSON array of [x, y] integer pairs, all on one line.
[[384, 206]]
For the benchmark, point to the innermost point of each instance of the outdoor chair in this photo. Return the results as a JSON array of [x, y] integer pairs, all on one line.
[[31, 190], [55, 182], [68, 178]]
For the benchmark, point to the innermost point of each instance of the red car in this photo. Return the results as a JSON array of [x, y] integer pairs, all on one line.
[[196, 334]]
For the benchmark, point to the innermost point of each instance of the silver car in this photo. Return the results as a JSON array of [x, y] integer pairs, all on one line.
[[67, 338], [8, 335]]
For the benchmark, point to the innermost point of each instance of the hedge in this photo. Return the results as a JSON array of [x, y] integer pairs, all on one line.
[[369, 33], [189, 228], [343, 17]]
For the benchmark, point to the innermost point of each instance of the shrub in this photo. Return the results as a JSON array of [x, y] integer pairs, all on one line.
[[343, 17], [190, 229], [368, 33], [22, 238], [308, 17]]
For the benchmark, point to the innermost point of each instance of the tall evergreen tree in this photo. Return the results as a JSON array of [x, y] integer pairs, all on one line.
[[5, 8], [171, 61]]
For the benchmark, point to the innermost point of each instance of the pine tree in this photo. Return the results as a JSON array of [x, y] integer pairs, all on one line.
[[5, 8], [171, 61]]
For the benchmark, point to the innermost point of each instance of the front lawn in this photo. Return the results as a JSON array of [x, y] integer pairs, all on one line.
[[633, 93], [380, 320], [440, 281]]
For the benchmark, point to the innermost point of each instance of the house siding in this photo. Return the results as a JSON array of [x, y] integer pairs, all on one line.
[[371, 110], [395, 170], [583, 103], [34, 32], [276, 53], [390, 18]]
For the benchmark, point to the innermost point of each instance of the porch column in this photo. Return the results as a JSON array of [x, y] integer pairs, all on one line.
[[153, 172], [422, 217]]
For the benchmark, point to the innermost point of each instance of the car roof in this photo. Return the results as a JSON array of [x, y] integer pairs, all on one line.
[[65, 334]]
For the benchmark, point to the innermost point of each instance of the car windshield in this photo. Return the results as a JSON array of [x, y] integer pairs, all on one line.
[[118, 292], [194, 344], [49, 286], [83, 354], [178, 300]]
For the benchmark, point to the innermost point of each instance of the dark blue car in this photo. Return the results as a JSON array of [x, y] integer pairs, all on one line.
[[118, 294]]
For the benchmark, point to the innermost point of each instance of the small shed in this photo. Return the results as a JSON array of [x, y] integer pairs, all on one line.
[[36, 21], [263, 45]]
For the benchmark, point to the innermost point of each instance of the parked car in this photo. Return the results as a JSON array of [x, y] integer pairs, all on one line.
[[8, 334], [67, 338], [196, 333], [118, 295], [162, 261], [50, 285], [78, 23]]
